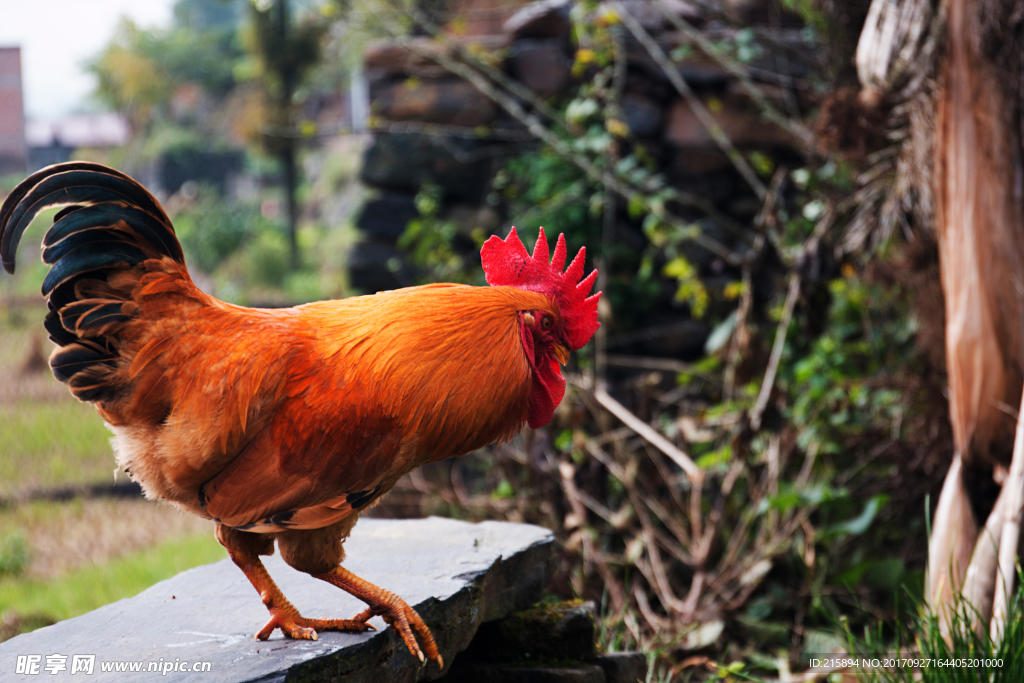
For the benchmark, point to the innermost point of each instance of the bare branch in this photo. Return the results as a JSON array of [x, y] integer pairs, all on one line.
[[769, 112], [698, 108], [664, 364], [447, 131], [777, 347], [496, 75], [809, 247], [620, 411]]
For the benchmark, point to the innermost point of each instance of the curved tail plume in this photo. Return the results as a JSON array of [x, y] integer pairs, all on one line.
[[97, 249]]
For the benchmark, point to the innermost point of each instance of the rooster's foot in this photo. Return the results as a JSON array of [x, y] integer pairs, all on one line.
[[294, 625], [404, 619], [393, 609]]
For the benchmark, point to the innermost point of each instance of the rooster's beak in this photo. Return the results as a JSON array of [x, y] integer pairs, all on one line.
[[561, 353]]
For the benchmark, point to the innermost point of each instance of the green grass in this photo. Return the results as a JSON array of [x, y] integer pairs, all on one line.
[[52, 443], [48, 569], [36, 513], [93, 586], [923, 638], [47, 438]]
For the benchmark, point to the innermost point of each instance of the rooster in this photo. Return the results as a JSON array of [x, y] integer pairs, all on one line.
[[285, 425]]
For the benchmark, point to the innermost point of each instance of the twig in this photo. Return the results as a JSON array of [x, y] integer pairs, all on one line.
[[657, 623], [595, 450], [620, 411], [614, 435], [664, 364], [496, 75], [764, 221], [698, 108], [670, 522], [757, 94], [693, 597], [777, 347], [448, 131], [672, 547], [809, 247], [782, 61], [567, 473], [661, 583], [805, 469]]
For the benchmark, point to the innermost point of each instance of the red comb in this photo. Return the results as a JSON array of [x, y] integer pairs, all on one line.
[[507, 263]]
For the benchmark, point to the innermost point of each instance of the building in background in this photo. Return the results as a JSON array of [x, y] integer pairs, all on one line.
[[13, 153], [51, 142]]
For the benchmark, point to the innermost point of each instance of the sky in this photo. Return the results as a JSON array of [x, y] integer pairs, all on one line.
[[57, 37]]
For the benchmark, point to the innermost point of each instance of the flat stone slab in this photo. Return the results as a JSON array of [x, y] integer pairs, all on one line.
[[457, 575]]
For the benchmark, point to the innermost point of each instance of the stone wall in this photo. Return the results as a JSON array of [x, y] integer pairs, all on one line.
[[434, 127]]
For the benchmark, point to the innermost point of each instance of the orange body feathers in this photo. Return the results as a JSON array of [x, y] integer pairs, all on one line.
[[287, 419]]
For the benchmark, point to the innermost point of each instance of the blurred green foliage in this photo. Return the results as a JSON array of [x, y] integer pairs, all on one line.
[[140, 70], [834, 379], [266, 259], [210, 231], [14, 554], [430, 242], [92, 586]]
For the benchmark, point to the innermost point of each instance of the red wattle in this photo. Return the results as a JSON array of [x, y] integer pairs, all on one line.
[[547, 387], [546, 392]]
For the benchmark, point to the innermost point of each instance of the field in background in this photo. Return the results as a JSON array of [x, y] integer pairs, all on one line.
[[58, 558]]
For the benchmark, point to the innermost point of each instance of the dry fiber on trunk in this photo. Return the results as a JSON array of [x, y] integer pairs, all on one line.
[[976, 180]]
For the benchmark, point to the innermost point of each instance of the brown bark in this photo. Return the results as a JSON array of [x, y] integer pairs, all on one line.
[[981, 242], [953, 540]]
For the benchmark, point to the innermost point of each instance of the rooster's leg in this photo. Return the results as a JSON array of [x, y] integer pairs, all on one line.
[[393, 609], [283, 614]]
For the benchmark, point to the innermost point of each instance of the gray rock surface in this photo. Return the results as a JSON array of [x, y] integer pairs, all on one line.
[[623, 667], [457, 575], [543, 19], [485, 673], [404, 161]]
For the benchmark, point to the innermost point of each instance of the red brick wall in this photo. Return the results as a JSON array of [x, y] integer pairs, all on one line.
[[482, 17], [12, 112]]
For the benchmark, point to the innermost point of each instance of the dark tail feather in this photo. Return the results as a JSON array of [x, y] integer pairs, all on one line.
[[112, 223], [111, 200]]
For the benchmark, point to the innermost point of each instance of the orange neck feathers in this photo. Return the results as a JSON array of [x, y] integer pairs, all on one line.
[[447, 360]]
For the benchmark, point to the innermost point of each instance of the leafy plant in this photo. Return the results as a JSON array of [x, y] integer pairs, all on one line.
[[433, 243], [14, 554], [210, 230], [922, 650]]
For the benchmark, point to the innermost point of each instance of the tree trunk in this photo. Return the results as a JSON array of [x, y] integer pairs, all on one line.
[[978, 188], [978, 220], [287, 151], [289, 170], [975, 186]]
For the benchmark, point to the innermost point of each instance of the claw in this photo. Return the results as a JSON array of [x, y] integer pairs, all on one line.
[[294, 625], [394, 610], [405, 620]]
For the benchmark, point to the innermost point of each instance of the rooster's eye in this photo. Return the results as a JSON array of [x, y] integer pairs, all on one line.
[[546, 323]]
